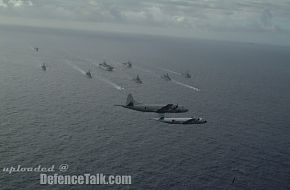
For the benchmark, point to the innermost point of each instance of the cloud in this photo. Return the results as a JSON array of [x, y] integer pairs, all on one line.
[[191, 15], [15, 3]]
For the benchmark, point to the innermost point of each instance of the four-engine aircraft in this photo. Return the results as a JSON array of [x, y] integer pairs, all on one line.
[[167, 108], [184, 121]]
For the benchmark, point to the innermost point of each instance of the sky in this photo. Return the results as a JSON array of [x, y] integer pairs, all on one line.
[[265, 21]]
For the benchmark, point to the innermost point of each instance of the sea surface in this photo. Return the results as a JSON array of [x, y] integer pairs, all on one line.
[[59, 116]]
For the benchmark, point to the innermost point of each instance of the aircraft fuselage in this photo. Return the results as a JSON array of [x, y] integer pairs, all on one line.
[[155, 108], [184, 121]]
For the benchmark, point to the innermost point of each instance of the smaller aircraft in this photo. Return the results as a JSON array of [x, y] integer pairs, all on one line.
[[127, 64], [43, 66], [166, 77], [106, 66], [88, 73], [157, 108], [36, 49], [183, 121], [186, 75], [138, 80]]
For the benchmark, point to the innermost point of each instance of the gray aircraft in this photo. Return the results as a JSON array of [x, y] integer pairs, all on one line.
[[183, 121], [168, 108]]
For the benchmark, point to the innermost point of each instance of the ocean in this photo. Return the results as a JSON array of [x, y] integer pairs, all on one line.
[[59, 116]]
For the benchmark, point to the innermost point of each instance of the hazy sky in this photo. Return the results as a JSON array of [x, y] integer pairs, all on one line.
[[249, 20]]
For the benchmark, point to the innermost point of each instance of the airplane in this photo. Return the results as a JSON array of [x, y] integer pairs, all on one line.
[[138, 80], [88, 73], [166, 77], [106, 66], [43, 66], [183, 121], [36, 49], [127, 64], [168, 108]]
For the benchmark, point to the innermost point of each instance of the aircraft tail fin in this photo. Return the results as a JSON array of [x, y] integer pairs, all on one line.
[[130, 100]]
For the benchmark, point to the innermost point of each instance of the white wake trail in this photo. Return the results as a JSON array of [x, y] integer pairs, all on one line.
[[186, 85], [75, 67], [118, 87], [145, 70]]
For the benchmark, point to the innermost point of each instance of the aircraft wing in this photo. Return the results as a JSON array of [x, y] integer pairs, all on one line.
[[195, 121], [188, 121], [165, 108]]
